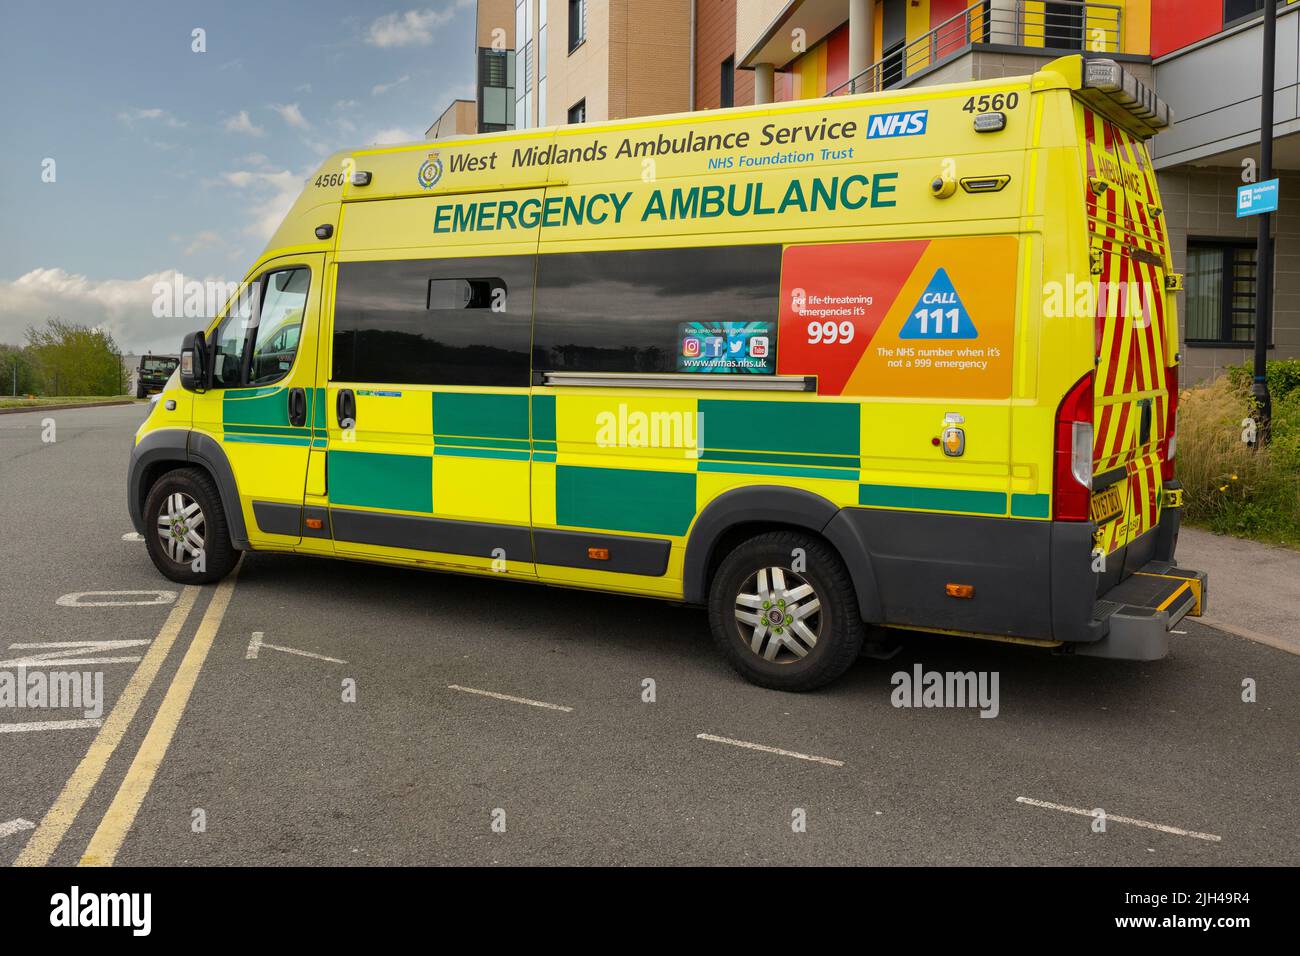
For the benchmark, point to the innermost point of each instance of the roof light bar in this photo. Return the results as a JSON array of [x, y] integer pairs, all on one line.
[[1126, 91]]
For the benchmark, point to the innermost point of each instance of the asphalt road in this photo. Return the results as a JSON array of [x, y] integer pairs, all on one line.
[[265, 762]]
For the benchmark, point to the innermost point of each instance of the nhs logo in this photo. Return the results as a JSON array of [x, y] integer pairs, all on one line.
[[911, 123]]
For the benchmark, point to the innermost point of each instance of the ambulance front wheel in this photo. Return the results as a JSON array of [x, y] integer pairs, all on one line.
[[783, 612], [185, 528]]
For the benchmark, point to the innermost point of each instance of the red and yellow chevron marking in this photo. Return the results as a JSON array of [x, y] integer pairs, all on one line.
[[1132, 338]]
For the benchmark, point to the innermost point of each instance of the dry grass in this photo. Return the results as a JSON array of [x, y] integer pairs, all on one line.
[[1228, 486]]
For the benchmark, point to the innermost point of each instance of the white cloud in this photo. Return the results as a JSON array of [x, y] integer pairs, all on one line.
[[290, 113], [241, 123], [122, 307], [380, 88], [269, 194], [137, 115], [207, 239], [394, 134], [412, 28], [342, 105]]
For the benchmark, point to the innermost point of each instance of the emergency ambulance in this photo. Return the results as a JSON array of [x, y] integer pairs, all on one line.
[[902, 360]]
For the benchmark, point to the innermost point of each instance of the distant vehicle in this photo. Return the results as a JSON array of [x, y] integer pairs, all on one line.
[[153, 373]]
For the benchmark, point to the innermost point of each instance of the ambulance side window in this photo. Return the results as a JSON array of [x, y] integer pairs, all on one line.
[[256, 342], [434, 322], [279, 324], [625, 312]]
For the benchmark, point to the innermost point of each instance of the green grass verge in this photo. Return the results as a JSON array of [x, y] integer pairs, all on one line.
[[41, 401]]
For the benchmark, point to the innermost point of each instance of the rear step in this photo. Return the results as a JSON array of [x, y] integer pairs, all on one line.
[[1137, 614]]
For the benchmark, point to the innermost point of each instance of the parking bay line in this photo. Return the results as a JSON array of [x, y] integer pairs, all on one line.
[[770, 750], [1111, 818], [79, 723], [121, 813], [514, 700], [256, 644], [9, 828], [45, 840]]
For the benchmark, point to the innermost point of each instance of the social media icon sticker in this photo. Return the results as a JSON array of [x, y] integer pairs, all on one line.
[[758, 346], [690, 347]]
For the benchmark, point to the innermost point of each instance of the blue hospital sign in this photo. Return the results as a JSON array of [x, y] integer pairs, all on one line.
[[1256, 198], [939, 313]]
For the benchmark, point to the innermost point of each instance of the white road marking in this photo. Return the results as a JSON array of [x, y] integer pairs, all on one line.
[[78, 724], [15, 826], [256, 644], [69, 656], [75, 599], [770, 750], [1111, 818], [513, 700], [133, 536]]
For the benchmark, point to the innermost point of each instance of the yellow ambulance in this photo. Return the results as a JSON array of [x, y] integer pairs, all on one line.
[[902, 360]]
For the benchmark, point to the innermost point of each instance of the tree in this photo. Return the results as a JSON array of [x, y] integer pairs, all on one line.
[[14, 359], [76, 359]]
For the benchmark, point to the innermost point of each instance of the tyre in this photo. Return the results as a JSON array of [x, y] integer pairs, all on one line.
[[781, 628], [185, 528]]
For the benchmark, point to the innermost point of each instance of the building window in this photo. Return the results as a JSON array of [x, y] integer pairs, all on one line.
[[1063, 26], [578, 112], [577, 23], [496, 90], [893, 20], [1234, 10], [727, 95], [1220, 286]]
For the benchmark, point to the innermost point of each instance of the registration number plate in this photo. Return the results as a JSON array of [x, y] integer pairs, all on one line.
[[1106, 505]]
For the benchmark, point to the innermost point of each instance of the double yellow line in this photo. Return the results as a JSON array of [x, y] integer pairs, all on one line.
[[121, 813]]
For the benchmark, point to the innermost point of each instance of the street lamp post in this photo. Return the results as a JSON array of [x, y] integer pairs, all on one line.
[[1264, 246]]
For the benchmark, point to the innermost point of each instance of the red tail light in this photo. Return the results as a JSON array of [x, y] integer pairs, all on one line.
[[1072, 456], [1169, 441]]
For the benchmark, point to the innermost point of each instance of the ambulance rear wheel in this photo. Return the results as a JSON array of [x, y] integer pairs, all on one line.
[[185, 528], [783, 612]]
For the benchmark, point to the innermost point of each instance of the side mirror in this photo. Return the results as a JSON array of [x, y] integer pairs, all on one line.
[[194, 363]]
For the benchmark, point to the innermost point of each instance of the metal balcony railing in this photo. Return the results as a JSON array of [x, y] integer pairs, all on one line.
[[1057, 27]]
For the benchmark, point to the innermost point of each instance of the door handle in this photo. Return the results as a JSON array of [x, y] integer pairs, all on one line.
[[297, 407], [345, 408], [1145, 428]]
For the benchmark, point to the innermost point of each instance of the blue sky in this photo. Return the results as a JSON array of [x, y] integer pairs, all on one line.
[[169, 159]]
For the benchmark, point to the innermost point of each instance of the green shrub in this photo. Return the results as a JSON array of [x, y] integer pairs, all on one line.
[[1283, 376]]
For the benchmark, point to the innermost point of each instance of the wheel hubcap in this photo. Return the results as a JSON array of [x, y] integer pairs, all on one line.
[[779, 615], [181, 527]]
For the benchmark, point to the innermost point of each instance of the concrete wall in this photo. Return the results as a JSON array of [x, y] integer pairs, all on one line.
[[1200, 201], [650, 64], [715, 40], [753, 17], [459, 118], [983, 64], [635, 61], [582, 74], [1213, 89], [492, 15]]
